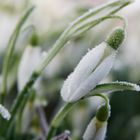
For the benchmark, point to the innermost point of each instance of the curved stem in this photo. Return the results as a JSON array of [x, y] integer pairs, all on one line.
[[104, 97], [63, 112]]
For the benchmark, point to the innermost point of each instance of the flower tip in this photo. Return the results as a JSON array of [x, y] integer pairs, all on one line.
[[116, 38]]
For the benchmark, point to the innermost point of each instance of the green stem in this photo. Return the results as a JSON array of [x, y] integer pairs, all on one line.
[[9, 53], [63, 112], [20, 100]]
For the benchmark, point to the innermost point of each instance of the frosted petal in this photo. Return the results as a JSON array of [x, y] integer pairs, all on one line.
[[100, 72], [83, 70], [28, 63]]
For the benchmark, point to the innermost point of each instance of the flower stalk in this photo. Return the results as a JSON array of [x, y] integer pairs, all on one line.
[[9, 52], [64, 111]]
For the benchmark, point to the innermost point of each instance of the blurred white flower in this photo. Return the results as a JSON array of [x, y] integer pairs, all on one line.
[[96, 130], [89, 72], [29, 61], [4, 112]]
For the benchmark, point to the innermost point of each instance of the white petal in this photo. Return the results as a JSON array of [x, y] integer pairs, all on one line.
[[100, 72], [95, 131], [4, 112], [88, 63], [28, 63]]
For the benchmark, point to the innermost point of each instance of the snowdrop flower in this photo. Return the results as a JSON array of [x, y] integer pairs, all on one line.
[[93, 67], [96, 130], [30, 58], [29, 61]]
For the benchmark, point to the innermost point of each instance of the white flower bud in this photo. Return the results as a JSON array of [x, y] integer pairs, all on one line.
[[29, 61], [89, 72], [94, 66], [96, 130]]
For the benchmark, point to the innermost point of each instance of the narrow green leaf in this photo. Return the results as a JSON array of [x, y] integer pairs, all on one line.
[[9, 52], [115, 86]]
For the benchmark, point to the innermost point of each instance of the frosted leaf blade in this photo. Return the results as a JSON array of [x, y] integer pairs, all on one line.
[[115, 86], [29, 61]]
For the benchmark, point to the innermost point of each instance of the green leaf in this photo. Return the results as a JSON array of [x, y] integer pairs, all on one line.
[[115, 86], [9, 52]]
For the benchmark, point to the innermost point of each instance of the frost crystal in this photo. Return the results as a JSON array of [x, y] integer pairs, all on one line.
[[131, 85]]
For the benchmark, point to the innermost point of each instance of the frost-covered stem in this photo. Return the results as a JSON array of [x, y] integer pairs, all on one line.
[[9, 52], [63, 112], [114, 86]]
